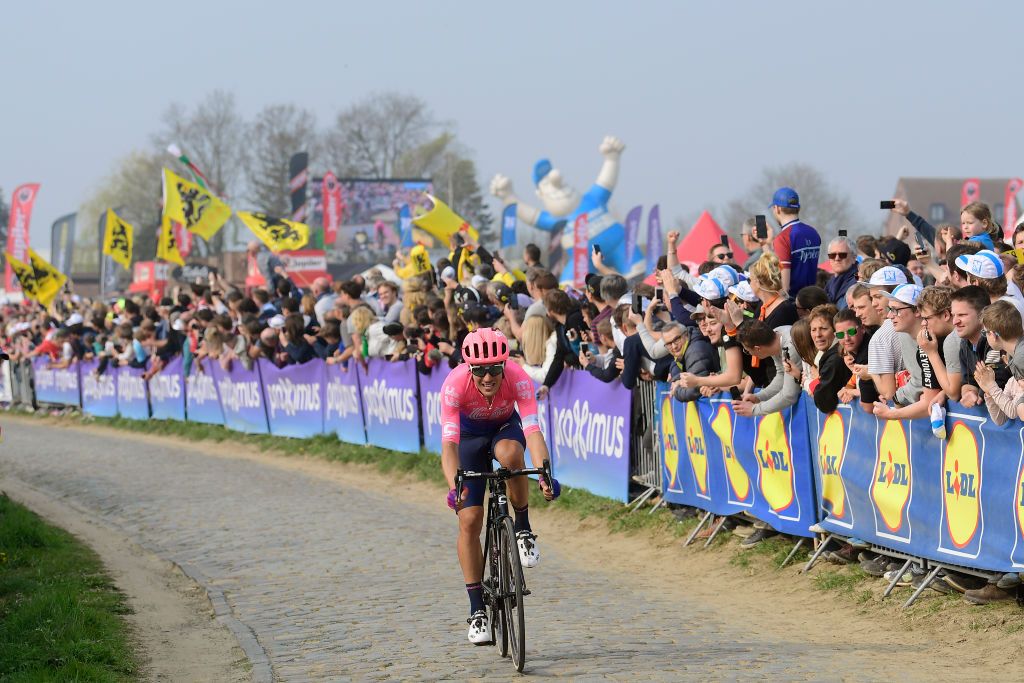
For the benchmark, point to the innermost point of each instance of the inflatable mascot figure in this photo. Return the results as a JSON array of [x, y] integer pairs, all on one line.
[[563, 204]]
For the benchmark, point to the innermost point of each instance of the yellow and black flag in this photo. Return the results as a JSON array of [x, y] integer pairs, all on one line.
[[48, 280], [278, 234], [193, 206], [167, 245], [118, 238], [26, 276]]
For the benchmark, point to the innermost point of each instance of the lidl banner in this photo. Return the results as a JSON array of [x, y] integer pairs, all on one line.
[[430, 407], [56, 385], [894, 483], [725, 463], [167, 392], [241, 398], [344, 409], [294, 398], [202, 404], [391, 409], [132, 399], [99, 391], [588, 434]]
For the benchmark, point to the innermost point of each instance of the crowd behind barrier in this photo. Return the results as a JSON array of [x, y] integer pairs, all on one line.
[[855, 404]]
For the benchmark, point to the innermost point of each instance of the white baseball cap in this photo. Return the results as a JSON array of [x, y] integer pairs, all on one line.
[[711, 288], [886, 276], [744, 291], [74, 319], [276, 322], [908, 294], [986, 264], [726, 274]]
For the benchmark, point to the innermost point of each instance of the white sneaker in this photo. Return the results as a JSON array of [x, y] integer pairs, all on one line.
[[479, 629], [528, 553]]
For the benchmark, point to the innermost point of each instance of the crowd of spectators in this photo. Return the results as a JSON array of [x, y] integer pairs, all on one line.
[[895, 325]]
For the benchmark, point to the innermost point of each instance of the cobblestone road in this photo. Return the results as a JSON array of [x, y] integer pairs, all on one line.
[[340, 583]]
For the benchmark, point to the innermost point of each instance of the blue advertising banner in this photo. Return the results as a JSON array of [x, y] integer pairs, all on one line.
[[430, 407], [294, 397], [903, 488], [344, 413], [392, 411], [167, 392], [654, 245], [508, 226], [201, 401], [724, 463], [56, 385], [132, 398], [589, 434], [405, 227], [241, 398], [99, 392]]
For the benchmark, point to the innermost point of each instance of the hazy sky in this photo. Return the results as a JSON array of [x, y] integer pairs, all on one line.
[[704, 94]]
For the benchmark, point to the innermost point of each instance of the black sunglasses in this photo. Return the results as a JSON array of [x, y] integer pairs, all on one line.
[[725, 255], [492, 370]]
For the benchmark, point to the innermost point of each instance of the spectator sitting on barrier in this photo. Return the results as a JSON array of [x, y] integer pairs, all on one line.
[[1003, 331], [966, 306], [692, 354], [762, 342]]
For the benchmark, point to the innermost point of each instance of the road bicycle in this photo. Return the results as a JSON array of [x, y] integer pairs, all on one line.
[[503, 583]]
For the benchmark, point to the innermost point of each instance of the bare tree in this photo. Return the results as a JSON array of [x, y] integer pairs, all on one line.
[[822, 205], [134, 188], [371, 137], [278, 132]]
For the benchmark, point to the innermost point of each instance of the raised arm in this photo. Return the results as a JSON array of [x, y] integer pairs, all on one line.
[[501, 187], [611, 148]]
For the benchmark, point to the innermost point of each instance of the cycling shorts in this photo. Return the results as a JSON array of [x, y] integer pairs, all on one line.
[[476, 454]]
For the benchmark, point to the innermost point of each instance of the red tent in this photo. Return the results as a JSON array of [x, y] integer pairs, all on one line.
[[704, 234]]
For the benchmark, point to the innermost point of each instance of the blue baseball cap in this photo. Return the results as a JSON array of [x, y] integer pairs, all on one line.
[[786, 198], [541, 169]]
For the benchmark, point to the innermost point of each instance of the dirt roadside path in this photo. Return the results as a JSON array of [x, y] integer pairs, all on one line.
[[172, 621]]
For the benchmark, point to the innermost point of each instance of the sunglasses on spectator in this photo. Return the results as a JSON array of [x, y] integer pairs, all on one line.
[[724, 256], [848, 334], [492, 370], [838, 255]]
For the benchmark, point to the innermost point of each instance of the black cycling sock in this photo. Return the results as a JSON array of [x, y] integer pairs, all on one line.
[[522, 518], [476, 597]]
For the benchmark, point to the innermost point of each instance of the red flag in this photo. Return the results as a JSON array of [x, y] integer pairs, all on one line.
[[331, 197], [17, 230], [183, 238], [970, 192], [580, 251], [1010, 205]]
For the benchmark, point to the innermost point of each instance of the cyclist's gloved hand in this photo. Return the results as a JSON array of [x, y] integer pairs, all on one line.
[[451, 497], [550, 491]]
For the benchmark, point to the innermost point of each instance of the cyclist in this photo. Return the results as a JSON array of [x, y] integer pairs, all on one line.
[[479, 417]]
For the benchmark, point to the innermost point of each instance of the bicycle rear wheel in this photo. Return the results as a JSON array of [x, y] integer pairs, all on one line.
[[512, 590], [492, 579]]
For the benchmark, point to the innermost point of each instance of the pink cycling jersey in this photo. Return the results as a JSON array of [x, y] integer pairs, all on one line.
[[463, 407]]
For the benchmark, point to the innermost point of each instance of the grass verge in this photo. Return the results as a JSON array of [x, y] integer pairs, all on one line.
[[60, 614]]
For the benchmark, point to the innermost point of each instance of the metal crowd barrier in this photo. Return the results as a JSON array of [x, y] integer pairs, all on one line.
[[644, 463]]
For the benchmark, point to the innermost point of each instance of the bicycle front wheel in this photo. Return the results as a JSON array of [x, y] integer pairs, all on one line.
[[512, 591], [492, 579]]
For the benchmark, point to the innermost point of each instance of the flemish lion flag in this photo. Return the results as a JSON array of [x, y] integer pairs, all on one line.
[[442, 222], [195, 207], [117, 240], [277, 233], [26, 276], [48, 280], [167, 246]]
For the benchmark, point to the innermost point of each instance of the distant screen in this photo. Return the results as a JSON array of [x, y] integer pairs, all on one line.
[[368, 232]]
